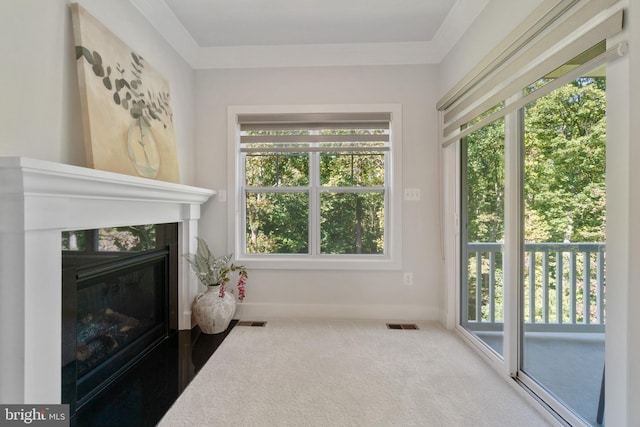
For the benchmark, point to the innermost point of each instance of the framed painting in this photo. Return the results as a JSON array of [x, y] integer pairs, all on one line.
[[126, 107]]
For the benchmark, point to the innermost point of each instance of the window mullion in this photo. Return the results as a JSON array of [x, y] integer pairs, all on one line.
[[389, 211], [242, 207], [379, 189], [314, 204], [283, 189]]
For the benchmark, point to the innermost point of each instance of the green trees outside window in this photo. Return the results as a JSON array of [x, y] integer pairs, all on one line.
[[316, 191]]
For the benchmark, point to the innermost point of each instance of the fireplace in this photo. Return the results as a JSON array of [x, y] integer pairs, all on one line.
[[39, 201], [119, 296]]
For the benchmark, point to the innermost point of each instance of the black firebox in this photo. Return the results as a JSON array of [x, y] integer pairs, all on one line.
[[119, 290]]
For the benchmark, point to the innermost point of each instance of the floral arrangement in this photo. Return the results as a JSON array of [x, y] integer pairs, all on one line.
[[212, 271]]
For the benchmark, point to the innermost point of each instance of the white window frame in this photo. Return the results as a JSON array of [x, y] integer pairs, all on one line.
[[390, 260]]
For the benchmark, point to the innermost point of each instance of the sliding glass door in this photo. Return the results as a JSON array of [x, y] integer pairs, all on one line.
[[562, 285], [533, 204], [483, 234]]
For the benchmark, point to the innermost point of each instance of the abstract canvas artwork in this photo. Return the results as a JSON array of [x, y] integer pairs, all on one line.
[[127, 116]]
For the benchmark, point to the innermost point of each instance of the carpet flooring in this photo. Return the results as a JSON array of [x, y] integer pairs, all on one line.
[[348, 373]]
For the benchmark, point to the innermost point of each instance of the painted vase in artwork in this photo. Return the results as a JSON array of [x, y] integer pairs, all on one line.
[[143, 148]]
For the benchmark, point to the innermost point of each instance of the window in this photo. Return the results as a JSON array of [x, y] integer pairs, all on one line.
[[316, 186]]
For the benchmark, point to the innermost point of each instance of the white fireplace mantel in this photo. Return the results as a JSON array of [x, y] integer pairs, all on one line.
[[39, 200]]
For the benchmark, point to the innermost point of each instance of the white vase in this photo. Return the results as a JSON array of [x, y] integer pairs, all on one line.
[[212, 312]]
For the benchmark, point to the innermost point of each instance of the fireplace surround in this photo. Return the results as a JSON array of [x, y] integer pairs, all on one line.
[[38, 201]]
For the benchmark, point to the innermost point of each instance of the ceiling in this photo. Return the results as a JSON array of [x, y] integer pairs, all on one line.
[[280, 33], [214, 23]]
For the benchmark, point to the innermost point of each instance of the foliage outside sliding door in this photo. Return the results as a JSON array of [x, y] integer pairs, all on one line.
[[483, 201], [565, 203]]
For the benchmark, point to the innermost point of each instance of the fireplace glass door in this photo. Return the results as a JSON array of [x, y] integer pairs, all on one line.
[[117, 305]]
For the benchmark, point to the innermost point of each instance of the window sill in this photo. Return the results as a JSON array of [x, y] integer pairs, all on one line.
[[322, 262]]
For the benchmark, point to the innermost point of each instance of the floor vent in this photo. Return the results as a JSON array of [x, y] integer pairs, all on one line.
[[402, 326], [250, 323]]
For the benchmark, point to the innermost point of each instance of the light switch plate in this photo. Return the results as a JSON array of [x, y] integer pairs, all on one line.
[[412, 194]]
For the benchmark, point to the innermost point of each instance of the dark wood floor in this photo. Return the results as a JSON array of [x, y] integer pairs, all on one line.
[[144, 394]]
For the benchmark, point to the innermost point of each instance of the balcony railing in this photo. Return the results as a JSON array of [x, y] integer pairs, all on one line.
[[563, 287]]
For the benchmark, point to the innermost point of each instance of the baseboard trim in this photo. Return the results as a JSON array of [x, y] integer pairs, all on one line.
[[337, 311]]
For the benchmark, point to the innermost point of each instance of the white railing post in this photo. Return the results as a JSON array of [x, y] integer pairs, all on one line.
[[492, 287], [600, 287], [545, 286], [479, 287], [586, 287], [532, 287], [572, 287], [559, 291]]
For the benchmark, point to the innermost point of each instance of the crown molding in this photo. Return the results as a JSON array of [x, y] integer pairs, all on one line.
[[162, 18], [167, 24], [317, 55], [459, 18]]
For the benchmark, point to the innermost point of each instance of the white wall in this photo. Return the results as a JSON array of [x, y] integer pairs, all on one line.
[[356, 294], [40, 114], [495, 21]]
